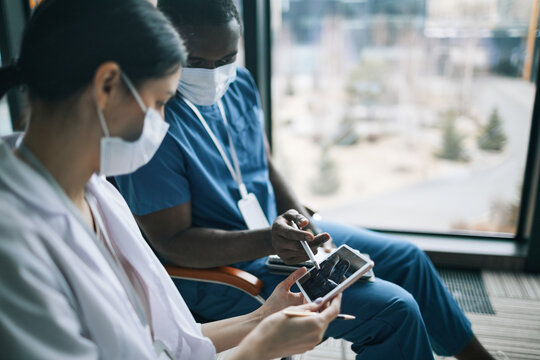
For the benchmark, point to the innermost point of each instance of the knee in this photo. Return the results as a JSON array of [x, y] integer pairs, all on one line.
[[405, 304], [413, 254], [403, 310]]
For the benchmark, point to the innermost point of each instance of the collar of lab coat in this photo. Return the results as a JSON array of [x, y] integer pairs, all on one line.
[[20, 177], [171, 320]]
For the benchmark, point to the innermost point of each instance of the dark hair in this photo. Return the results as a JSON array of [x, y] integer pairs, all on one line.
[[187, 14], [65, 41]]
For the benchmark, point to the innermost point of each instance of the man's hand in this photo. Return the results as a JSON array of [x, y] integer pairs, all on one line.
[[286, 239]]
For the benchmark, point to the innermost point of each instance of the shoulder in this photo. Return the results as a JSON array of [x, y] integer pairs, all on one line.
[[244, 78], [25, 244], [244, 88]]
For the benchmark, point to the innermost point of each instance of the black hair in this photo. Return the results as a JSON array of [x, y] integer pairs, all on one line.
[[65, 41], [188, 14]]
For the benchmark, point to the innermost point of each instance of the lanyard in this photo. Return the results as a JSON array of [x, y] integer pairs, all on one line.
[[113, 261], [235, 172]]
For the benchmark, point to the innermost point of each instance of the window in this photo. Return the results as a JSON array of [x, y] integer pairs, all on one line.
[[5, 117], [405, 114], [240, 57]]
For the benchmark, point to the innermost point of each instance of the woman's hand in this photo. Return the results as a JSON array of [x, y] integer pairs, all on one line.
[[281, 335], [282, 295]]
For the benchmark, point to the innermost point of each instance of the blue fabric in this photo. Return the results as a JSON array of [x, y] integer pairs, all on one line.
[[188, 166], [404, 314]]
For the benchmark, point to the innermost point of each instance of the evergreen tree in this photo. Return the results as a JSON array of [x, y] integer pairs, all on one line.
[[492, 137], [452, 142], [326, 181]]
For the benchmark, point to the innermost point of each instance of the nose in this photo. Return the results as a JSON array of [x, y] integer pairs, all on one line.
[[209, 65]]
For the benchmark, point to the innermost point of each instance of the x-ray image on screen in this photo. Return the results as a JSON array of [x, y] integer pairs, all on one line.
[[334, 270]]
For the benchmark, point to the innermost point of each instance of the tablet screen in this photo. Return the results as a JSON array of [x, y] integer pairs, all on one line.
[[334, 270]]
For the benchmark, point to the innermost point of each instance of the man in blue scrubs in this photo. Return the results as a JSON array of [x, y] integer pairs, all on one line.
[[186, 201]]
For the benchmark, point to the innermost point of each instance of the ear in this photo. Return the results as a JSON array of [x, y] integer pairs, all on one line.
[[107, 80]]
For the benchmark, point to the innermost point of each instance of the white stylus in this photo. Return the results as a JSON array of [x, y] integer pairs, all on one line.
[[307, 248]]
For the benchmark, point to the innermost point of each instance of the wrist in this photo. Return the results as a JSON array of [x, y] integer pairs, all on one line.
[[267, 240], [249, 349], [258, 315]]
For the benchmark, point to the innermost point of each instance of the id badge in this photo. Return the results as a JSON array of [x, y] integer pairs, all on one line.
[[252, 212]]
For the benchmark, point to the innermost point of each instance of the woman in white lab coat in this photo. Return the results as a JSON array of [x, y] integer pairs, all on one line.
[[78, 280]]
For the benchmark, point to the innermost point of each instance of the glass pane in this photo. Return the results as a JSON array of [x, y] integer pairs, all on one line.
[[405, 114], [5, 117]]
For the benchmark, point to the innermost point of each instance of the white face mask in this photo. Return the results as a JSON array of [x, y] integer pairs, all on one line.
[[206, 86], [118, 156]]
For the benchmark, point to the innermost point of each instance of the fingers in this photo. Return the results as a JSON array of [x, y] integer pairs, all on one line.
[[290, 280], [329, 246], [332, 310], [282, 225], [308, 307], [319, 240], [297, 299], [294, 215], [293, 257]]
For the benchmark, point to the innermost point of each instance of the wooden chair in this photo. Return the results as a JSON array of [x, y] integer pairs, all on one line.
[[225, 275]]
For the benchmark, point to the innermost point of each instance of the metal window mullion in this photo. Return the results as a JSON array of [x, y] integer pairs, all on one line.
[[258, 53]]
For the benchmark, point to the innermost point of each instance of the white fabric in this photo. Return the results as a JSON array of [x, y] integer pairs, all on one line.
[[60, 298], [120, 157], [206, 86]]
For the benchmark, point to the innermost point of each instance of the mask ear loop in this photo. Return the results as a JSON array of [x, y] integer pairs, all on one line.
[[134, 92], [101, 118]]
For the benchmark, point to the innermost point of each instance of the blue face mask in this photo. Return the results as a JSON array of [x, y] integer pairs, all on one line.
[[206, 86], [120, 157]]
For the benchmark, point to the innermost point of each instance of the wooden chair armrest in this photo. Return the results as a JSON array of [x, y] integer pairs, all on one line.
[[225, 275]]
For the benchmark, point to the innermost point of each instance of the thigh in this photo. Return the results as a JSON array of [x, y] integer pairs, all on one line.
[[380, 308]]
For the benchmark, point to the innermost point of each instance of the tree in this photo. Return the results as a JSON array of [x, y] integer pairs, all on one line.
[[452, 142], [492, 137], [327, 181]]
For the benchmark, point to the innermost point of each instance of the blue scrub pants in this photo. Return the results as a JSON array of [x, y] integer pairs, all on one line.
[[405, 314]]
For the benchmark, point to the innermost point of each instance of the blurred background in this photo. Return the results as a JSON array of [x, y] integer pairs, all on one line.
[[405, 114]]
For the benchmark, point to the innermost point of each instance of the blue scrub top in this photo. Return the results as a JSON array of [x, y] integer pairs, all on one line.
[[188, 166]]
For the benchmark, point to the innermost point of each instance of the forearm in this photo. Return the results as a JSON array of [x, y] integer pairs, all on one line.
[[228, 333], [285, 197], [248, 350], [204, 247]]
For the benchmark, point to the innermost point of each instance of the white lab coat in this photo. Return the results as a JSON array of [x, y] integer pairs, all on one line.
[[59, 297]]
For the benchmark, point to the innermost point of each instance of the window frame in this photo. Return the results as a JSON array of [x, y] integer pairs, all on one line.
[[258, 47]]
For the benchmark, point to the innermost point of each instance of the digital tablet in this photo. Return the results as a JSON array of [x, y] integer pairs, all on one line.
[[338, 271]]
